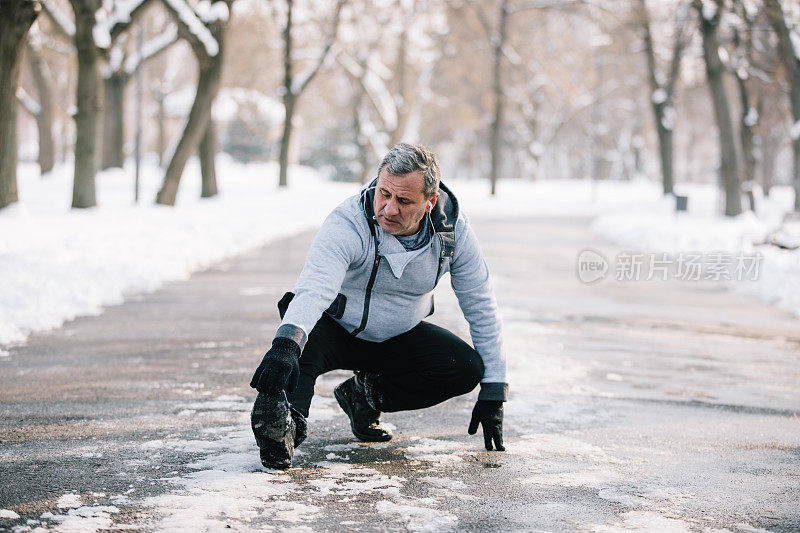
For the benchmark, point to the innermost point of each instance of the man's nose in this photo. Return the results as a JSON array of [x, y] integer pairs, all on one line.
[[391, 208]]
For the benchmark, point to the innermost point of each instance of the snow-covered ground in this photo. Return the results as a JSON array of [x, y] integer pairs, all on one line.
[[57, 263], [652, 227]]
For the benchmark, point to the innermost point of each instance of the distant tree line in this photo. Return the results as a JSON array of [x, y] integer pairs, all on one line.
[[526, 88]]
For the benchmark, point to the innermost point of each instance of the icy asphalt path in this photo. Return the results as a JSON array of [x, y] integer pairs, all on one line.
[[635, 406]]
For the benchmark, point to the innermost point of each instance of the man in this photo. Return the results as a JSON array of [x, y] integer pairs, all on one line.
[[358, 305]]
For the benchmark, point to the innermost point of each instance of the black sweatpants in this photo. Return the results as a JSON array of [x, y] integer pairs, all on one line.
[[420, 368]]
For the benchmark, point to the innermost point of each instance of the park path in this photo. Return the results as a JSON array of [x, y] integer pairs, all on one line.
[[661, 405]]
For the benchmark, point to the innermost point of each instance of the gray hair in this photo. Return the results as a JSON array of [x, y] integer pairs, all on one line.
[[404, 158]]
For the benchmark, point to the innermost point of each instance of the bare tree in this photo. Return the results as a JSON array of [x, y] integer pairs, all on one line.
[[119, 69], [791, 62], [16, 17], [205, 35], [498, 40], [710, 15], [748, 118], [663, 89], [92, 40], [293, 86], [83, 189], [43, 110]]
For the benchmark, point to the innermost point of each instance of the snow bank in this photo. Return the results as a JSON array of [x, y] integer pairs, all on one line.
[[653, 226], [57, 263]]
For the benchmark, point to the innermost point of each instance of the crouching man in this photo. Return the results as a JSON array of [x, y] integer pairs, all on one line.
[[359, 305]]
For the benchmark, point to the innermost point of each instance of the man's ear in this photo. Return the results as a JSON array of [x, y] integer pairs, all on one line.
[[432, 202]]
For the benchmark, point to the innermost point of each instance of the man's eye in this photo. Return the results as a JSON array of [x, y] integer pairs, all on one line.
[[386, 195]]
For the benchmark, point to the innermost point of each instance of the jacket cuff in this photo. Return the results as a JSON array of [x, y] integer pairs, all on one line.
[[494, 391], [292, 332]]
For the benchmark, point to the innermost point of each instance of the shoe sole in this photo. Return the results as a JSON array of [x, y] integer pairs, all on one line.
[[342, 401], [275, 440]]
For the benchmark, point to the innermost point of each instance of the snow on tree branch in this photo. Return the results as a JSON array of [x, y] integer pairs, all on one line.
[[193, 25], [62, 23], [212, 12], [375, 88], [150, 49], [795, 44], [301, 81], [709, 10], [28, 103], [111, 26]]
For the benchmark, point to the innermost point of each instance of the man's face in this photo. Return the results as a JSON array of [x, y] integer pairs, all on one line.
[[399, 202]]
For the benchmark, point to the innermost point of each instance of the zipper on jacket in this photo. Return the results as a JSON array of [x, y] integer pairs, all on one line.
[[368, 295], [370, 283]]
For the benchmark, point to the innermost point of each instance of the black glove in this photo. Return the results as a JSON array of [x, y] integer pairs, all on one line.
[[488, 413], [279, 369]]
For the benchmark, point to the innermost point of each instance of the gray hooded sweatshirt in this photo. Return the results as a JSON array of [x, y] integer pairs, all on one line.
[[377, 296]]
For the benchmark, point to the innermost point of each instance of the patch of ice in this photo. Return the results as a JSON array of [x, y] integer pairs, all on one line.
[[331, 456], [69, 501], [448, 488], [418, 518], [645, 521], [84, 519], [550, 444], [340, 447], [7, 513], [436, 450]]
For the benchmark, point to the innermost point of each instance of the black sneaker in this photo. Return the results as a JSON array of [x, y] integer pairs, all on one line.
[[274, 429], [364, 420]]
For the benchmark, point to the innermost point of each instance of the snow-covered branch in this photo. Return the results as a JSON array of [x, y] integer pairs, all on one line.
[[192, 27], [124, 16], [375, 89], [150, 49], [28, 103], [61, 22], [302, 80]]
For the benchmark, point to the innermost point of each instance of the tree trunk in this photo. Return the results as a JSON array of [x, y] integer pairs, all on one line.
[[199, 117], [746, 135], [289, 98], [404, 106], [83, 190], [283, 159], [729, 162], [665, 153], [162, 134], [44, 119], [16, 17], [208, 169], [661, 104], [792, 65], [497, 122], [114, 120], [770, 145]]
